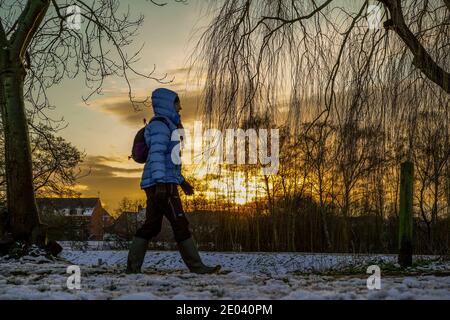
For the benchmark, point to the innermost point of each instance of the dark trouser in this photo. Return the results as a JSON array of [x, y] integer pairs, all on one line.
[[169, 206]]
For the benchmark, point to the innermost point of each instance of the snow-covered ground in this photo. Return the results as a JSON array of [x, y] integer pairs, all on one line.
[[251, 276]]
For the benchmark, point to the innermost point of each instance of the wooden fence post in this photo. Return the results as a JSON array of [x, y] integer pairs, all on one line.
[[406, 214]]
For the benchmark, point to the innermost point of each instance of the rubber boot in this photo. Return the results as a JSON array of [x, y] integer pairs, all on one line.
[[191, 258], [136, 255]]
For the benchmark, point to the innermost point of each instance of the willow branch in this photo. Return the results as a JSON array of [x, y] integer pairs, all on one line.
[[422, 59]]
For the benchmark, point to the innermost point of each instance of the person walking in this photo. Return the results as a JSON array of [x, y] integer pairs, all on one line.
[[160, 180]]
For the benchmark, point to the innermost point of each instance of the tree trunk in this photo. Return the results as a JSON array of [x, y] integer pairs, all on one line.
[[323, 216], [406, 214], [447, 177], [23, 218], [435, 209], [346, 222], [3, 212]]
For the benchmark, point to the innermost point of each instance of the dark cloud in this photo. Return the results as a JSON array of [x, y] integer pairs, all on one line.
[[97, 166], [122, 108], [113, 183]]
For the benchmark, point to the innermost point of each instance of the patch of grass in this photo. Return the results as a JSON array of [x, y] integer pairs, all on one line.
[[220, 293], [387, 268], [43, 288], [14, 281], [111, 287], [19, 273], [285, 280]]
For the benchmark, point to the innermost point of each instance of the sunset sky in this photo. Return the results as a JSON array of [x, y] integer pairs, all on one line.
[[104, 129]]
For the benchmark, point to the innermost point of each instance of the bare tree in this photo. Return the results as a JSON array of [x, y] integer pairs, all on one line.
[[431, 155], [254, 51], [317, 154], [330, 68], [55, 164], [38, 48]]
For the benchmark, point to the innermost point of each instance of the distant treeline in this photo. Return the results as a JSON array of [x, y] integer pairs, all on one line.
[[301, 230], [338, 187]]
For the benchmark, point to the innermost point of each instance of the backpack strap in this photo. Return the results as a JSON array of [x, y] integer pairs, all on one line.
[[162, 119]]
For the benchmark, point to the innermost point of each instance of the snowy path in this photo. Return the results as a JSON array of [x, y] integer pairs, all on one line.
[[253, 276], [266, 263]]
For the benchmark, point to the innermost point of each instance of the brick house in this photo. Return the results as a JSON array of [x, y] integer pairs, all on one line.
[[126, 225], [75, 218]]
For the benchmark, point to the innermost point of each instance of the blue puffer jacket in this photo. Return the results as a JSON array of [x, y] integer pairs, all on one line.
[[160, 168]]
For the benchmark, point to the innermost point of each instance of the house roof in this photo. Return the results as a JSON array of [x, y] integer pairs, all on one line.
[[131, 215], [67, 203], [106, 213], [127, 213]]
